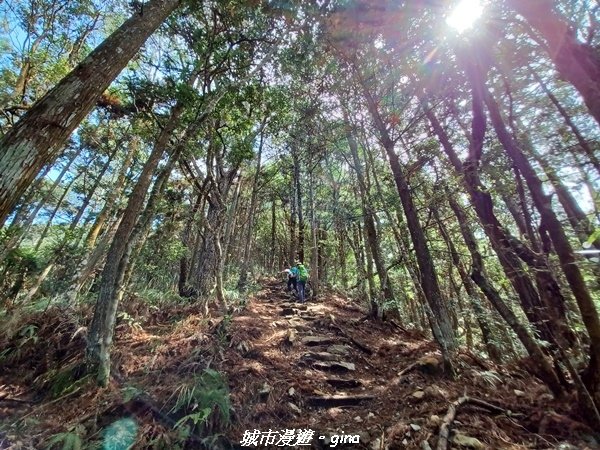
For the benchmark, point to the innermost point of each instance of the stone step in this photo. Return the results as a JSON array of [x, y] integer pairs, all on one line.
[[309, 316], [339, 349], [334, 366], [320, 356], [343, 384], [329, 401], [288, 312], [313, 341]]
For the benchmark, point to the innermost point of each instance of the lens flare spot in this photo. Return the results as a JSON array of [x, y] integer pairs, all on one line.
[[465, 14]]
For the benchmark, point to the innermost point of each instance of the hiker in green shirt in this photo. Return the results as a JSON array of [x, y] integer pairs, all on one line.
[[301, 281]]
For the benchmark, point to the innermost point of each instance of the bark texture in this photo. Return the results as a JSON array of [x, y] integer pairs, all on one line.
[[102, 327], [37, 139]]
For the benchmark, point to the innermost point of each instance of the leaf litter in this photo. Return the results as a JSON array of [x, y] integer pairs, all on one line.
[[321, 367]]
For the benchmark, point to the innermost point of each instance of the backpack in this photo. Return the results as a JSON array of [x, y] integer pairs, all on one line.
[[302, 272]]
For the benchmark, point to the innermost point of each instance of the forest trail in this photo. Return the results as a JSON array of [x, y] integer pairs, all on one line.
[[321, 366]]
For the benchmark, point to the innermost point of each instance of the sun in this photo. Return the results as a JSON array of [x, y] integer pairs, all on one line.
[[465, 14]]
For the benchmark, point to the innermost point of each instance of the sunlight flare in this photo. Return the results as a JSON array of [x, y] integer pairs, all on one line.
[[465, 14]]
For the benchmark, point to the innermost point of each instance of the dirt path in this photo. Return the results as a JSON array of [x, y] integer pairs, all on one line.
[[322, 366]]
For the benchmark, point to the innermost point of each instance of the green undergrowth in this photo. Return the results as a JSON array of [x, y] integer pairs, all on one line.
[[198, 412], [204, 406], [43, 347]]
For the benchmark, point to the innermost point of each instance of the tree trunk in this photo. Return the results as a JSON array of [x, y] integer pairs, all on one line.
[[243, 279], [24, 206], [113, 196], [204, 278], [366, 248], [315, 254], [561, 244], [37, 139], [92, 261], [199, 234], [589, 184], [480, 314], [141, 230], [231, 224], [544, 369], [102, 326], [220, 292], [96, 252], [370, 229], [401, 237], [524, 207], [298, 190], [186, 238], [575, 215], [361, 274], [208, 270], [65, 240], [24, 229], [272, 251], [517, 214], [322, 262], [92, 191], [365, 269], [577, 62], [342, 256], [502, 243], [62, 197], [483, 205], [554, 311], [440, 321], [292, 256], [587, 149]]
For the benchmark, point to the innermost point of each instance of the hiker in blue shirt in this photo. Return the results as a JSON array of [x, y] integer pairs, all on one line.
[[292, 274]]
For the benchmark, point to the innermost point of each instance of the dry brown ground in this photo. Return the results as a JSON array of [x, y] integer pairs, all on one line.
[[319, 366]]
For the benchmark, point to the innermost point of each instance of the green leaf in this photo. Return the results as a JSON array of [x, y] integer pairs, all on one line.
[[196, 418], [593, 237]]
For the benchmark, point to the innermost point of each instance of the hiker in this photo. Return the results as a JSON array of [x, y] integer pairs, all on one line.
[[292, 274], [302, 279]]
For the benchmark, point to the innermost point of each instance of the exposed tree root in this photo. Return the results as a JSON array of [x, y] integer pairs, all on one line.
[[408, 368], [444, 435]]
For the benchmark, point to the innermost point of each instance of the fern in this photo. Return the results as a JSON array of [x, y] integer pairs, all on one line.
[[196, 418], [491, 377], [28, 333], [70, 440], [207, 391]]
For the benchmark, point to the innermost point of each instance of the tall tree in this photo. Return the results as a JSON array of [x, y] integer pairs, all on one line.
[[38, 138], [576, 61]]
